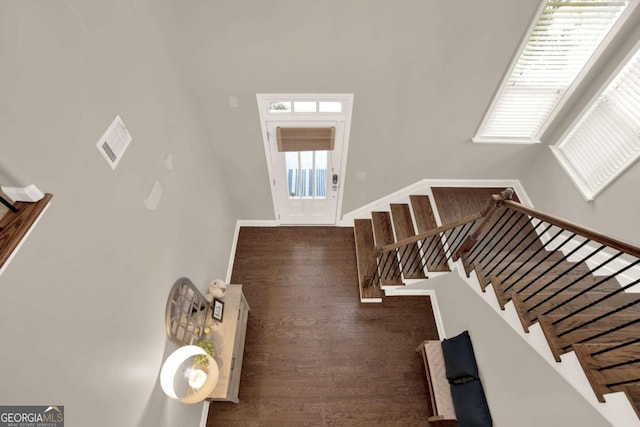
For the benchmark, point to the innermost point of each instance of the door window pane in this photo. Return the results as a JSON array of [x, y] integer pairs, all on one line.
[[306, 171], [293, 174], [321, 174], [307, 174]]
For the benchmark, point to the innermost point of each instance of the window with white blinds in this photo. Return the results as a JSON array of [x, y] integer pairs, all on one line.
[[564, 40], [605, 139]]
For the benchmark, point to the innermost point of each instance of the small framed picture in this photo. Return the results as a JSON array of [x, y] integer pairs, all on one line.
[[218, 309]]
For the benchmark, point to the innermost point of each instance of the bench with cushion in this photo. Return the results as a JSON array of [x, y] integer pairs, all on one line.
[[455, 390]]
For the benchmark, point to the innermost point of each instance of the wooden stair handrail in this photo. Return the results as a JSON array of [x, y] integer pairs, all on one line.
[[393, 246], [608, 241]]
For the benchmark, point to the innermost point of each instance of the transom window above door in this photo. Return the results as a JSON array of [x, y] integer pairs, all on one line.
[[287, 106]]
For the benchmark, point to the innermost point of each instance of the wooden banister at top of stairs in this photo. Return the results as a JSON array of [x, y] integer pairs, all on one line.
[[15, 225], [576, 283]]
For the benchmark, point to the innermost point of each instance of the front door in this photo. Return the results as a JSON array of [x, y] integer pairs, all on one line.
[[305, 183]]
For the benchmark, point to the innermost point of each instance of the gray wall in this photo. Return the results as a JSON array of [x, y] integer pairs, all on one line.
[[521, 388], [82, 306], [422, 73]]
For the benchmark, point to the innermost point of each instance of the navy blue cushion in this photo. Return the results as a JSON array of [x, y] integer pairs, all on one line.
[[471, 405], [459, 359]]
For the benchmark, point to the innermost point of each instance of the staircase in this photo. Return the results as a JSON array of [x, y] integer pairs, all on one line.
[[578, 285]]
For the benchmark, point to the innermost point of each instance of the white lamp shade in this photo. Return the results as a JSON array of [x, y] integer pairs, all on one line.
[[202, 382]]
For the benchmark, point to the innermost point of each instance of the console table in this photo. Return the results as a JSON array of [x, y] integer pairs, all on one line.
[[189, 321], [228, 338]]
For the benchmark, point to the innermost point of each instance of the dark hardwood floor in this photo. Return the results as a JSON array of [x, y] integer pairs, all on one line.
[[314, 355]]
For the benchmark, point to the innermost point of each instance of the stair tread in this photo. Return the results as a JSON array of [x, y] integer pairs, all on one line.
[[529, 313], [607, 355], [383, 235], [609, 367], [566, 338], [507, 238], [402, 221], [504, 261], [426, 221], [382, 228], [403, 226], [561, 336], [423, 213], [486, 274], [613, 302], [533, 267], [363, 233], [530, 285], [490, 259]]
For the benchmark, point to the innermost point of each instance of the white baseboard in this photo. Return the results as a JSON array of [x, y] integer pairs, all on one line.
[[404, 291], [205, 414], [257, 223]]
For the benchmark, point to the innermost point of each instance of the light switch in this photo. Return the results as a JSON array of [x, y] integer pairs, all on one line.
[[168, 162]]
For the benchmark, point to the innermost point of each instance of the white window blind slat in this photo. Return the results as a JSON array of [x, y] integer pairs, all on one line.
[[605, 139], [559, 47]]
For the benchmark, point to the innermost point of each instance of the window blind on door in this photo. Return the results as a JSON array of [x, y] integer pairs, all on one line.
[[559, 48], [605, 139], [305, 139]]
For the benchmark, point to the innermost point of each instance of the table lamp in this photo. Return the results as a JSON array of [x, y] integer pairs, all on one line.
[[189, 374]]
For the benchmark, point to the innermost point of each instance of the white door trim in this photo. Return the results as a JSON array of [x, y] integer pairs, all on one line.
[[266, 116]]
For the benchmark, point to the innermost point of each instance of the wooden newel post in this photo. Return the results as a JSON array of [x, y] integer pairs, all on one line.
[[487, 212], [508, 193]]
